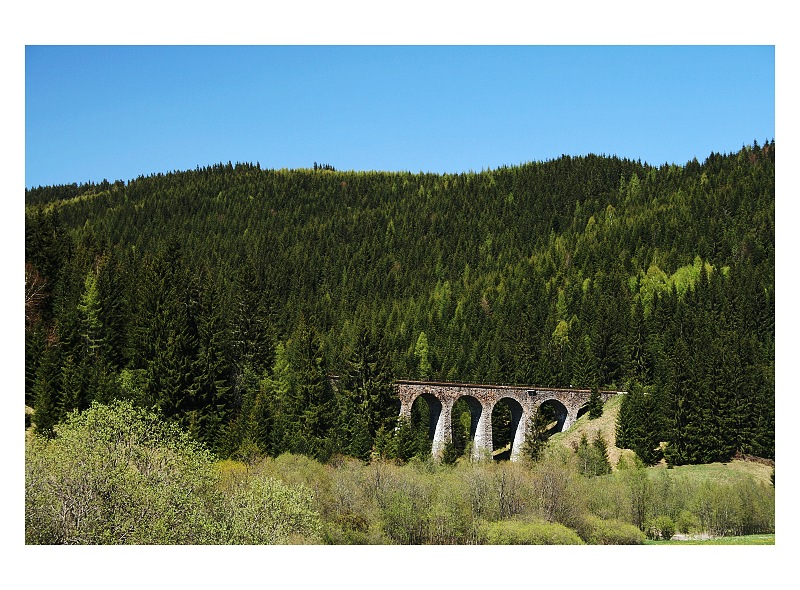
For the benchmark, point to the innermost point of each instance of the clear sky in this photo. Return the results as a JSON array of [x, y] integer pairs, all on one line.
[[117, 112]]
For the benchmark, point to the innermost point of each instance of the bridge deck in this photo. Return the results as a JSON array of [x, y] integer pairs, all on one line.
[[499, 386]]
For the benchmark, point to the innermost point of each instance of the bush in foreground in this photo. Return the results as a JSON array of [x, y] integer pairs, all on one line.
[[122, 475], [118, 474], [596, 531], [661, 528], [529, 532], [263, 511]]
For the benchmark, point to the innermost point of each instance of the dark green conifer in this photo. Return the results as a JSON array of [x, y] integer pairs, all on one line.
[[595, 404]]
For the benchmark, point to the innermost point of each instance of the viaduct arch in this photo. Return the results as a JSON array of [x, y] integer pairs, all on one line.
[[482, 400]]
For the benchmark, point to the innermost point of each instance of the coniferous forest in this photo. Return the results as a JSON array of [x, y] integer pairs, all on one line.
[[223, 298]]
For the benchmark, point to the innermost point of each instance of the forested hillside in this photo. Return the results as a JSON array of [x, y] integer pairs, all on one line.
[[223, 296]]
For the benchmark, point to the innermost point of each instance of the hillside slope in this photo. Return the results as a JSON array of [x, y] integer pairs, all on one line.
[[606, 425], [224, 295], [730, 471]]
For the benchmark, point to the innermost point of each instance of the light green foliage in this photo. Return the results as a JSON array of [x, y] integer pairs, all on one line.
[[122, 475], [351, 516], [529, 532], [118, 474], [90, 311], [561, 333], [596, 531], [261, 510], [132, 385], [608, 498], [421, 354], [694, 502], [640, 494], [299, 470], [652, 282], [451, 520], [730, 510], [661, 528], [441, 298], [558, 490], [686, 276], [514, 490], [590, 225]]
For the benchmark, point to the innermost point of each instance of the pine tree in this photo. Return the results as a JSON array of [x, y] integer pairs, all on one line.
[[641, 361], [368, 382], [90, 315], [595, 404], [210, 390], [584, 364], [251, 326], [405, 441], [449, 453], [680, 409], [114, 313], [45, 394], [312, 400], [74, 385], [421, 354], [537, 434], [600, 446], [637, 424], [279, 392]]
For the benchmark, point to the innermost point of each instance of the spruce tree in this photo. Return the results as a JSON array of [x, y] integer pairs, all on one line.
[[600, 446], [537, 434], [312, 401], [45, 394], [595, 404], [367, 381], [211, 387]]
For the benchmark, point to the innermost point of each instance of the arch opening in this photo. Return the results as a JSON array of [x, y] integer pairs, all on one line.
[[583, 409], [507, 428], [415, 434], [464, 417], [555, 414]]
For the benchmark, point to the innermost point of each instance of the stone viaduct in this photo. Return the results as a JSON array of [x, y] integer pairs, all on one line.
[[522, 400]]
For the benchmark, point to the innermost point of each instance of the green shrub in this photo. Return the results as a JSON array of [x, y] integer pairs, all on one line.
[[596, 531], [122, 475], [348, 528], [741, 508], [261, 510], [353, 516], [405, 518], [451, 520], [557, 493], [528, 532], [686, 522], [118, 474], [661, 528]]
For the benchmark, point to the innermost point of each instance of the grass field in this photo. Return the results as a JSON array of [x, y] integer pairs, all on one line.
[[746, 540], [720, 472]]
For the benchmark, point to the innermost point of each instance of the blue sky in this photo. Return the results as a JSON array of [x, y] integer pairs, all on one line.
[[117, 112]]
